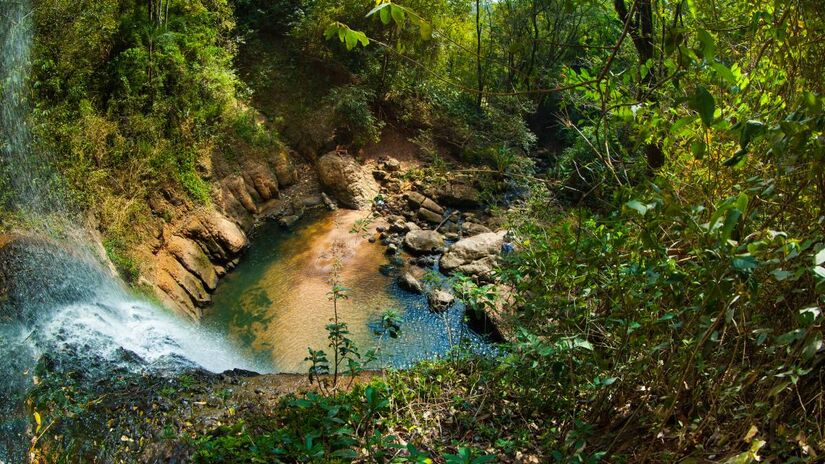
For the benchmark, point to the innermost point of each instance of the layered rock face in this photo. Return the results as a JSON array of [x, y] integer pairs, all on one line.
[[342, 176], [193, 251]]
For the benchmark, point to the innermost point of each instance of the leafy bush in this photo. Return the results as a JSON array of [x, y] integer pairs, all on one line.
[[117, 252], [351, 110]]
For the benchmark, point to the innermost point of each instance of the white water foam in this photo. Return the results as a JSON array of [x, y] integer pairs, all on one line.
[[140, 328]]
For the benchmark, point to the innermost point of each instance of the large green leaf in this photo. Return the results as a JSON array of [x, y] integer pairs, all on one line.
[[707, 44], [704, 104]]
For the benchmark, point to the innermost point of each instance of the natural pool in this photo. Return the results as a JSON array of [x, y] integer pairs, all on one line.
[[275, 304]]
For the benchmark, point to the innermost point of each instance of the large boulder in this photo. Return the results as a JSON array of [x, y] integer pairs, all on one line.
[[190, 255], [475, 255], [423, 241], [344, 178]]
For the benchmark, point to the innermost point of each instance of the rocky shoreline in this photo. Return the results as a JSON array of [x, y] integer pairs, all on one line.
[[440, 225]]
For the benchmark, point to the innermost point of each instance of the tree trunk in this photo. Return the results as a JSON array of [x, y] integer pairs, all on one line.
[[641, 32]]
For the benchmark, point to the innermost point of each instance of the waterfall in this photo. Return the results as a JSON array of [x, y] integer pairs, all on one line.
[[56, 297]]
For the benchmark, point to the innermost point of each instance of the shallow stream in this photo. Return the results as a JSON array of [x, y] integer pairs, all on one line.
[[276, 304]]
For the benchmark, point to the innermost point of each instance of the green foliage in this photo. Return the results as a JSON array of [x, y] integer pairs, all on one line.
[[311, 428], [117, 251], [127, 105], [350, 107], [195, 187], [390, 323]]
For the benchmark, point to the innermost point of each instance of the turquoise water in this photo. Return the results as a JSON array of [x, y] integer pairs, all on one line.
[[275, 304]]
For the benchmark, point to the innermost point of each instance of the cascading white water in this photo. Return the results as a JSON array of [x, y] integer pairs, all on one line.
[[57, 297]]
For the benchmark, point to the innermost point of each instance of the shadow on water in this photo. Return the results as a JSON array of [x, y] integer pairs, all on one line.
[[275, 304]]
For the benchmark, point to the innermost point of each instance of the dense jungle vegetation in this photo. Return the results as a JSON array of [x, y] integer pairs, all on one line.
[[660, 163]]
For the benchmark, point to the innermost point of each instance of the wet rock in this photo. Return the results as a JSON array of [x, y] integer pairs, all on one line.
[[449, 227], [425, 261], [392, 249], [192, 257], [451, 236], [379, 175], [341, 175], [423, 241], [440, 300], [409, 282], [289, 220], [312, 201], [475, 255], [328, 202], [429, 216]]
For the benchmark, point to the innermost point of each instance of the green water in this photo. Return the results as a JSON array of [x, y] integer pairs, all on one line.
[[275, 304]]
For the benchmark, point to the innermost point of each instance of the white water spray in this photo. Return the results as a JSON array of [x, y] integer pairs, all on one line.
[[57, 298]]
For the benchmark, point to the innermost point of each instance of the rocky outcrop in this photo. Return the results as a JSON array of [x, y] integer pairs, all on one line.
[[174, 296], [423, 241], [190, 246], [185, 269], [192, 257], [285, 171], [187, 281], [476, 256], [221, 237], [235, 186], [344, 178], [262, 181]]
